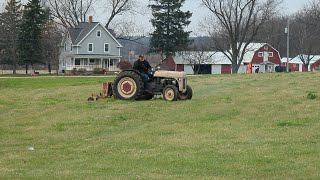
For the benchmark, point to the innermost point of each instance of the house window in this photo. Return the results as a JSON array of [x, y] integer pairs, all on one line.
[[98, 33], [111, 62], [77, 62], [260, 54], [270, 54], [265, 47], [92, 61], [71, 48], [106, 47], [90, 47], [65, 46]]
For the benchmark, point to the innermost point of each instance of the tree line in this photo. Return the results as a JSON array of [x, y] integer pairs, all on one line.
[[21, 33], [31, 34]]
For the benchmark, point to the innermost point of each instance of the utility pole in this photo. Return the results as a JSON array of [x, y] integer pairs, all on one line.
[[288, 43]]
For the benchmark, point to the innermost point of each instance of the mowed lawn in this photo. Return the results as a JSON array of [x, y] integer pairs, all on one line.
[[253, 126]]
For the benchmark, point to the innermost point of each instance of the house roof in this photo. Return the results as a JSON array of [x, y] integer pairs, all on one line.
[[297, 59], [80, 31], [83, 29]]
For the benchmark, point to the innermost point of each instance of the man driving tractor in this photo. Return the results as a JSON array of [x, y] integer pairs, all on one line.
[[143, 67]]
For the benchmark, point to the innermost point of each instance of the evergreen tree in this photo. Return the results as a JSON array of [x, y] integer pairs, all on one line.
[[169, 22], [10, 21], [30, 49]]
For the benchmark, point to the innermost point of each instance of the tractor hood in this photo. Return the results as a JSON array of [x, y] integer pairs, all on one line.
[[169, 74]]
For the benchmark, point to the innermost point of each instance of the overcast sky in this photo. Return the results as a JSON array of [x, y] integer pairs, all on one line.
[[289, 7], [142, 20], [199, 12]]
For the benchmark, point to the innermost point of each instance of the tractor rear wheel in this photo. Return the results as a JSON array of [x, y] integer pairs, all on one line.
[[170, 93], [128, 85], [187, 94]]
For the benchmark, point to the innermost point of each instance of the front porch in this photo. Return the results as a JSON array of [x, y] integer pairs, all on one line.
[[90, 64]]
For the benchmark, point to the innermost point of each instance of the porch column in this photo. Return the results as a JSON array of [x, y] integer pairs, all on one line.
[[109, 64]]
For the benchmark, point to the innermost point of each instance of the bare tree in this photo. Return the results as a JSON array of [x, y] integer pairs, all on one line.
[[196, 58], [125, 20], [197, 54], [70, 12], [51, 39], [273, 33], [238, 22], [116, 7], [305, 34], [314, 10]]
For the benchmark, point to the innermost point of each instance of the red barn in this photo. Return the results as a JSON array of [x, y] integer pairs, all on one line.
[[258, 55], [261, 56]]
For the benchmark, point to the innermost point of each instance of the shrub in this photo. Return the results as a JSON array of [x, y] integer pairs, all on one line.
[[74, 71], [124, 65], [82, 70], [97, 71]]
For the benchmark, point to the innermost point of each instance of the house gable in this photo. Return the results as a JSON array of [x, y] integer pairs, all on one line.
[[92, 38], [93, 30]]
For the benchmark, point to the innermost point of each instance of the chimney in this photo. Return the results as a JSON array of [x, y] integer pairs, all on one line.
[[90, 19]]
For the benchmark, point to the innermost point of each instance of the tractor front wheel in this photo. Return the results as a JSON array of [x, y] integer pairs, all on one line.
[[170, 93], [187, 95]]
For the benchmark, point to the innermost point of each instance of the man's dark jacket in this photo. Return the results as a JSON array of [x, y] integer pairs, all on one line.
[[142, 66]]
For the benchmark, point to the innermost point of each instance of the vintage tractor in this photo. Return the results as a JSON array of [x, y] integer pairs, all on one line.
[[129, 85]]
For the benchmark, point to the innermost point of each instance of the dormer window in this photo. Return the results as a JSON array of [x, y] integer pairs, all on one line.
[[98, 33]]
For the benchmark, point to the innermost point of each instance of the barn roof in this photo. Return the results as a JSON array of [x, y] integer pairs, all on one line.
[[297, 59], [250, 51], [207, 57]]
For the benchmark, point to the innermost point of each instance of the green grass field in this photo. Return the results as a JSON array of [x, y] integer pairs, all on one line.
[[256, 126]]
